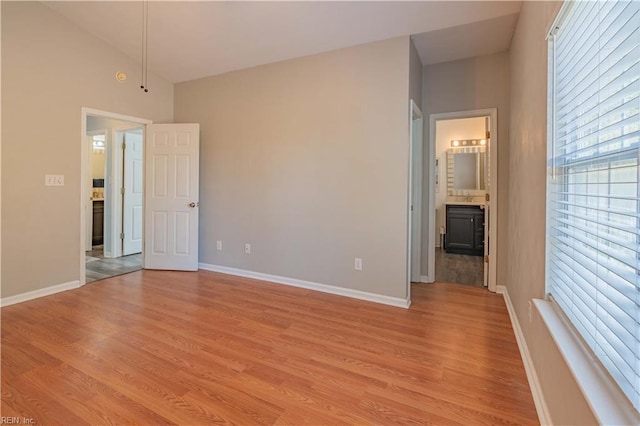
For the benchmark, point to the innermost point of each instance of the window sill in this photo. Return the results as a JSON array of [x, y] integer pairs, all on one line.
[[609, 405]]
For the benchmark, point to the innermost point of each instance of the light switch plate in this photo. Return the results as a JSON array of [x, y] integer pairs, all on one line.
[[53, 180], [357, 264]]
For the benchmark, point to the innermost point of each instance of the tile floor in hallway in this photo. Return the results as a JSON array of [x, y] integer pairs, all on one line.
[[98, 267], [459, 268]]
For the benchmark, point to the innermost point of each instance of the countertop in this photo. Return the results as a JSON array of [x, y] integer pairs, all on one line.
[[465, 203]]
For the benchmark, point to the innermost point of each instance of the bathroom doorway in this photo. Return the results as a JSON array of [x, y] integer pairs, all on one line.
[[113, 195], [461, 224]]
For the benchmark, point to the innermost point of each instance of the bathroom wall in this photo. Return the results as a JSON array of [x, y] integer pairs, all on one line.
[[97, 164]]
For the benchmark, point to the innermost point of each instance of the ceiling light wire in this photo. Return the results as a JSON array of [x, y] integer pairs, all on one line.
[[144, 46]]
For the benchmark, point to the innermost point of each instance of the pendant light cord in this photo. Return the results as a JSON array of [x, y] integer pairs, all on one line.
[[144, 45]]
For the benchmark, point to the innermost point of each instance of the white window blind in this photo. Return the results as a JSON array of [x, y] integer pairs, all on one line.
[[593, 209]]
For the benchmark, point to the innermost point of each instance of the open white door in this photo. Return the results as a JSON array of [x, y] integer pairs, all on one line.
[[133, 191], [88, 200], [171, 194], [487, 206]]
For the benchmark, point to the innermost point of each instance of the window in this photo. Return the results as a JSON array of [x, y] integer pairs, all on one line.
[[593, 208]]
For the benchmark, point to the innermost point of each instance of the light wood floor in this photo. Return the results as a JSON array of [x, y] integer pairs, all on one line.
[[198, 348]]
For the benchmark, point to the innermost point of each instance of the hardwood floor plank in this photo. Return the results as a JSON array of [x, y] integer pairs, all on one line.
[[28, 400], [165, 347]]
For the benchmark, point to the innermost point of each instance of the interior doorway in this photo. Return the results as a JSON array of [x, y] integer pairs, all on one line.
[[115, 240], [462, 192], [112, 194]]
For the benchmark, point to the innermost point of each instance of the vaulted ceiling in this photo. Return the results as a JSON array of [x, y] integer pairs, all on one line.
[[189, 40]]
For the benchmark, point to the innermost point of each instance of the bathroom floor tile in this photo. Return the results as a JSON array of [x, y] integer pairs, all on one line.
[[459, 268], [98, 267]]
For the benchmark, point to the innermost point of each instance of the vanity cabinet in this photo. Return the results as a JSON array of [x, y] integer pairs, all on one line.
[[98, 223], [465, 230]]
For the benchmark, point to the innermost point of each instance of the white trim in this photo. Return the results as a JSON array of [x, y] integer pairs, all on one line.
[[607, 402], [47, 291], [84, 113], [324, 288], [493, 191], [529, 368], [431, 201], [561, 12], [414, 197], [425, 279]]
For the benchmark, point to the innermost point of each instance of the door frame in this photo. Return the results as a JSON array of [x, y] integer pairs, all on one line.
[[414, 205], [493, 191], [84, 157]]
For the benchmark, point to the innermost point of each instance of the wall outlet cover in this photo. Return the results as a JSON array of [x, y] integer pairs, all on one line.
[[357, 265]]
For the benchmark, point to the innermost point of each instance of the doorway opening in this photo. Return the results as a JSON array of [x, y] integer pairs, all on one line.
[[112, 189], [463, 192]]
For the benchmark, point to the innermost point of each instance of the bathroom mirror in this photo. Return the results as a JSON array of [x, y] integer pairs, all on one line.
[[466, 170]]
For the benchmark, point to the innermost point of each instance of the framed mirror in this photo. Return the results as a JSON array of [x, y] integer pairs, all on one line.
[[466, 171]]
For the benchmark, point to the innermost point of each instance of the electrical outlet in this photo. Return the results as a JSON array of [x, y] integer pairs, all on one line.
[[218, 245], [357, 264], [247, 248]]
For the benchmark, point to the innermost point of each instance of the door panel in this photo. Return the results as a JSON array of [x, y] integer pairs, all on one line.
[[171, 233], [160, 229], [133, 183], [88, 212], [160, 170], [487, 207]]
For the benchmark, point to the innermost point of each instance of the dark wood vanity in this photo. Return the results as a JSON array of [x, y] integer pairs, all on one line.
[[98, 222], [465, 229]]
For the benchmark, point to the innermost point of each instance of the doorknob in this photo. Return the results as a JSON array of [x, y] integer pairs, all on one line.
[[192, 204]]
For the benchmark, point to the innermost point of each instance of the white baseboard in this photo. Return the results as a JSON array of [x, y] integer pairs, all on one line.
[[532, 376], [325, 288], [23, 297], [426, 279]]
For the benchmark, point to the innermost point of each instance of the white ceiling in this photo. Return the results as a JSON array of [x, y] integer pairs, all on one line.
[[189, 40]]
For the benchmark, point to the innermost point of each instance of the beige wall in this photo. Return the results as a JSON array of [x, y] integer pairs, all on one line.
[[50, 69], [469, 84], [527, 200], [446, 131], [307, 160]]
